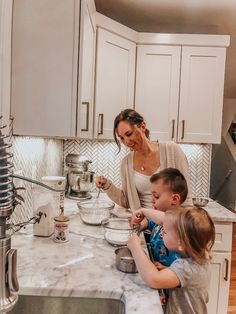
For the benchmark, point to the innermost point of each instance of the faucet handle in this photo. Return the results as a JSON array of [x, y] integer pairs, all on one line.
[[12, 266]]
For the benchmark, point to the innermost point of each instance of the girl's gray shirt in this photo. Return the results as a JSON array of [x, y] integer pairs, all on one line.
[[192, 297]]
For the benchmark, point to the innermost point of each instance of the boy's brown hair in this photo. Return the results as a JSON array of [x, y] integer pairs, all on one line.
[[196, 231], [173, 178]]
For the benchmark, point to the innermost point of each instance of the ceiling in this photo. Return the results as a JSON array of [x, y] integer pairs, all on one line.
[[180, 16]]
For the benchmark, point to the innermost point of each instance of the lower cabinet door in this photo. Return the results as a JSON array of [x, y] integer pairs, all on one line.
[[219, 285]]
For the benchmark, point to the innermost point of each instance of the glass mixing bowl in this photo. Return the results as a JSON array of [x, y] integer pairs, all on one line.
[[117, 231], [92, 212]]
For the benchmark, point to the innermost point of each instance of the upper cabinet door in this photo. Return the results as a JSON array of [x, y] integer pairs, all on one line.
[[157, 89], [114, 87], [86, 69], [5, 62], [201, 94], [44, 67]]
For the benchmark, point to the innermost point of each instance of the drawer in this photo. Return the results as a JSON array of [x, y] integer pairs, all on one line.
[[223, 240]]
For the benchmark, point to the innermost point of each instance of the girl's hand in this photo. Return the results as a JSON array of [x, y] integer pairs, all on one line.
[[159, 266], [133, 241], [100, 182], [136, 218]]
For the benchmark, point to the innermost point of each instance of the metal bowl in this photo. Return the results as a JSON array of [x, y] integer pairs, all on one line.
[[125, 261], [200, 201], [117, 231], [92, 212]]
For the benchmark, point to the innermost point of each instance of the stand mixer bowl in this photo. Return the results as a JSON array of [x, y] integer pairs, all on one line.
[[79, 178]]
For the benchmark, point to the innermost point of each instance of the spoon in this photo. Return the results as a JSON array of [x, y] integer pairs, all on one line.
[[99, 190]]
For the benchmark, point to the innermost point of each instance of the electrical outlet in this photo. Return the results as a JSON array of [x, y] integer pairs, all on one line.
[[18, 183]]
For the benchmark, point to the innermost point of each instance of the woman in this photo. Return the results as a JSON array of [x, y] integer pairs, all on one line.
[[145, 159]]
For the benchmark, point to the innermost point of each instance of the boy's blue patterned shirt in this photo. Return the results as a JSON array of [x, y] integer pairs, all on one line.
[[159, 250]]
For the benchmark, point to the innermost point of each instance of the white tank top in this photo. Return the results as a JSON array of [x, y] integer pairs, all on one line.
[[143, 186]]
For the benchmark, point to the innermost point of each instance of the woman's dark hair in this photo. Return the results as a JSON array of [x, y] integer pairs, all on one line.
[[132, 117]]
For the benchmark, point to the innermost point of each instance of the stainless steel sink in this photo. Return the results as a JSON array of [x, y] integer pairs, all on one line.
[[67, 305]]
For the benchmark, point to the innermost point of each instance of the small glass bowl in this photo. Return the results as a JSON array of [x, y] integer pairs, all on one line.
[[117, 231], [200, 201], [92, 212]]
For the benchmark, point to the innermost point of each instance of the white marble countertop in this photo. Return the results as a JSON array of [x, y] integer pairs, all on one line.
[[85, 266], [82, 267], [219, 213]]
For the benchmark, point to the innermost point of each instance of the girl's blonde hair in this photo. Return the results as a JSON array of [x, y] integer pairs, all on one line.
[[196, 231]]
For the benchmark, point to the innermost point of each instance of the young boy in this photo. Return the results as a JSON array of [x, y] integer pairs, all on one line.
[[169, 188]]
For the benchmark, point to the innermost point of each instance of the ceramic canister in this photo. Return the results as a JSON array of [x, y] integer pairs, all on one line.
[[58, 183]]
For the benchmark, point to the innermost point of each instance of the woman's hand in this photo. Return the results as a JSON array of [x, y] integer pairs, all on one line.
[[133, 241], [136, 218], [100, 182]]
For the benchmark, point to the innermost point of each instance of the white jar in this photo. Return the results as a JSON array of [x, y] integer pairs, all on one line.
[[58, 183], [43, 204], [61, 229]]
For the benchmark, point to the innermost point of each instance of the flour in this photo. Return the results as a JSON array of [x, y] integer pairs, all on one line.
[[117, 238], [94, 216]]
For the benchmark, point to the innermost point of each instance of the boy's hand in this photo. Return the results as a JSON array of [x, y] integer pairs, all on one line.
[[136, 218], [159, 266], [133, 241]]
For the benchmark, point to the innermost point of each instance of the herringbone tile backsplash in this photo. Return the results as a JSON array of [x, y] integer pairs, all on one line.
[[41, 156], [46, 157], [106, 161]]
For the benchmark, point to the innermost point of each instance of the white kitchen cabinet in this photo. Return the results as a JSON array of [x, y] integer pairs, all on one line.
[[5, 61], [179, 90], [114, 83], [220, 269], [86, 70], [48, 96], [44, 67], [201, 94], [157, 88], [219, 285]]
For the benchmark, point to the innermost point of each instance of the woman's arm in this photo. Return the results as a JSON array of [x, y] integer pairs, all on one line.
[[153, 277], [115, 194]]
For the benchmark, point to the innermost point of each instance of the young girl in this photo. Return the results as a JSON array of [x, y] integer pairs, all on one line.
[[189, 231]]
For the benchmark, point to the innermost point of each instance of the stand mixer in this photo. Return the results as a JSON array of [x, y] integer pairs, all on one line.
[[79, 178]]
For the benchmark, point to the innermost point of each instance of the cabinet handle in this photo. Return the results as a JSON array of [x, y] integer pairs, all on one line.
[[86, 103], [100, 118], [226, 277], [183, 126], [11, 127], [173, 129]]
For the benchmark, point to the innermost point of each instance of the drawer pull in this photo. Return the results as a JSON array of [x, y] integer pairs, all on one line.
[[226, 277]]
